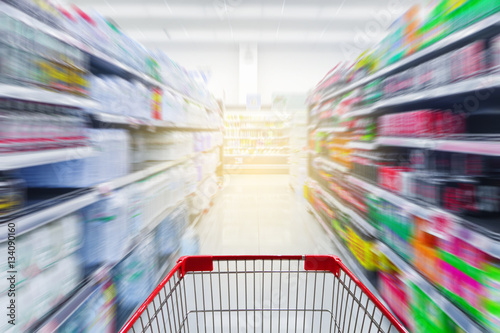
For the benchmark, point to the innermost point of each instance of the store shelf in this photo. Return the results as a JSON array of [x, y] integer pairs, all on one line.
[[332, 129], [87, 288], [134, 122], [96, 54], [255, 138], [83, 292], [346, 256], [362, 145], [10, 161], [35, 94], [256, 166], [358, 220], [167, 267], [469, 85], [460, 228], [413, 208], [491, 22], [136, 176], [247, 147], [482, 147], [256, 155], [331, 165], [39, 218], [458, 316], [35, 220], [187, 98], [359, 112]]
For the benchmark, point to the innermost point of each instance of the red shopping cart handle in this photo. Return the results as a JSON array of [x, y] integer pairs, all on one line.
[[325, 263], [331, 264]]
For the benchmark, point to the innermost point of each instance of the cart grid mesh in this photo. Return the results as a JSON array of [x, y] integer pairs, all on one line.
[[262, 295]]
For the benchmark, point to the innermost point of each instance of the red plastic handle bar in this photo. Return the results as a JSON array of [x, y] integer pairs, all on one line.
[[329, 263]]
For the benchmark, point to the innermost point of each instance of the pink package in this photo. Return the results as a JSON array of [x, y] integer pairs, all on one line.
[[450, 277], [449, 244], [392, 290], [470, 290], [471, 254]]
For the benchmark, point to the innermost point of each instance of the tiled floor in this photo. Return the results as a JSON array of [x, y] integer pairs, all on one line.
[[260, 214]]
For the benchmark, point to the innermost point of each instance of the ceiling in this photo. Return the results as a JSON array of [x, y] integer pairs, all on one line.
[[157, 23]]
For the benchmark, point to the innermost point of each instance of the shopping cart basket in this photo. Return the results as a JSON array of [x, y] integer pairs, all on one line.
[[261, 294]]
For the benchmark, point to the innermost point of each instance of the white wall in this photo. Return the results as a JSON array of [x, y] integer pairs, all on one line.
[[292, 69], [281, 69]]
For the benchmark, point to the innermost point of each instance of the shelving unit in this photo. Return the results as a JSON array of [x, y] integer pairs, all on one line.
[[346, 255], [39, 215], [451, 310], [256, 148], [10, 161], [150, 123], [97, 57], [348, 146], [460, 37]]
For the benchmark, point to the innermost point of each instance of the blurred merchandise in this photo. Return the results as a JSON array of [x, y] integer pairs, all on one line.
[[28, 126], [12, 194], [98, 313], [398, 144], [32, 57], [111, 160], [168, 145], [120, 96], [190, 243], [48, 266]]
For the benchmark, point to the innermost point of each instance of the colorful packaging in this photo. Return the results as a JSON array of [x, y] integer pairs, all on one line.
[[492, 295], [393, 291], [426, 260]]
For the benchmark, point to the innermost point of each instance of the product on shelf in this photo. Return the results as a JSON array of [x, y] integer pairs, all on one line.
[[120, 96], [110, 160], [97, 313], [49, 268], [28, 126], [433, 207], [362, 247], [393, 291], [168, 145], [134, 278], [31, 57], [424, 123], [105, 231], [12, 194]]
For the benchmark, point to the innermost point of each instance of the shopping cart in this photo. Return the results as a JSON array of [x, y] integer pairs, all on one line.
[[261, 294]]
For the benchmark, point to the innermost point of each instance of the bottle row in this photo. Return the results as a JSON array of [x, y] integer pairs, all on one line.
[[420, 27], [260, 142], [34, 57], [116, 155], [54, 259], [28, 126], [257, 133], [269, 151], [462, 271]]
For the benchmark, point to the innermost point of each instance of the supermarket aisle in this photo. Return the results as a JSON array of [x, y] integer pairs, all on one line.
[[260, 214]]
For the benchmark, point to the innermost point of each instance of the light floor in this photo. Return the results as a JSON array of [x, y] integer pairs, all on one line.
[[261, 214]]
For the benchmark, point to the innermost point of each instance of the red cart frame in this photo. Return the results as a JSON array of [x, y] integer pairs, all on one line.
[[262, 293]]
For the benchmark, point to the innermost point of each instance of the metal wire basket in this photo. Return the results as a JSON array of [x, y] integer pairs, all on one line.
[[261, 294]]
